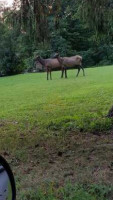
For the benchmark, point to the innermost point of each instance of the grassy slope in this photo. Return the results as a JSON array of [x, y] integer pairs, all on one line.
[[31, 94], [31, 107], [29, 102]]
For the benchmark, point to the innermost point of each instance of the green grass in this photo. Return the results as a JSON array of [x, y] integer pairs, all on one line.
[[69, 192], [35, 117], [30, 105]]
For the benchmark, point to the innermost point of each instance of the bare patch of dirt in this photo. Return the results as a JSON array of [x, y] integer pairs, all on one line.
[[83, 158]]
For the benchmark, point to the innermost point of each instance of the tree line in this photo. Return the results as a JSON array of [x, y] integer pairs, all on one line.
[[42, 27]]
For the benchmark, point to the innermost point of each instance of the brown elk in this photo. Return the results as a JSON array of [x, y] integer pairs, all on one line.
[[70, 62], [49, 64]]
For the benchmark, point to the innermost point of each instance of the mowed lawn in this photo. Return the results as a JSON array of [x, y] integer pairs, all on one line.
[[30, 105]]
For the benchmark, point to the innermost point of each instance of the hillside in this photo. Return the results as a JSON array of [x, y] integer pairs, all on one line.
[[57, 130]]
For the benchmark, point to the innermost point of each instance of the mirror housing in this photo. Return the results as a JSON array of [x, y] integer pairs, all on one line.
[[6, 173]]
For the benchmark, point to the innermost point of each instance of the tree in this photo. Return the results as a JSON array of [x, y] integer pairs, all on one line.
[[45, 26], [98, 14]]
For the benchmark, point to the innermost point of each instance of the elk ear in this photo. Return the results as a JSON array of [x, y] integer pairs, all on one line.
[[56, 55]]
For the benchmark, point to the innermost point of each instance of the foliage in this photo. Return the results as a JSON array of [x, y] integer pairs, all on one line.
[[44, 27], [98, 14], [11, 58]]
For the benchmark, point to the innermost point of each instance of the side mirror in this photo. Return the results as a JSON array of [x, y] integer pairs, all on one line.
[[7, 182]]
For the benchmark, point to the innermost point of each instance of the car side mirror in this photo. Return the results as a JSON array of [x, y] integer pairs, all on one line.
[[7, 182]]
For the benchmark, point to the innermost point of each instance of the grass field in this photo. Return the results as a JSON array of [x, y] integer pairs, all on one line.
[[40, 118], [31, 104]]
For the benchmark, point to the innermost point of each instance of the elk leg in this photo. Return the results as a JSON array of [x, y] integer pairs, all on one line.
[[47, 74], [62, 73], [78, 72], [50, 75], [65, 73], [83, 71]]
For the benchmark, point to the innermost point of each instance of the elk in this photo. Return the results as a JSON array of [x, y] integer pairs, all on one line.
[[49, 64], [73, 61]]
